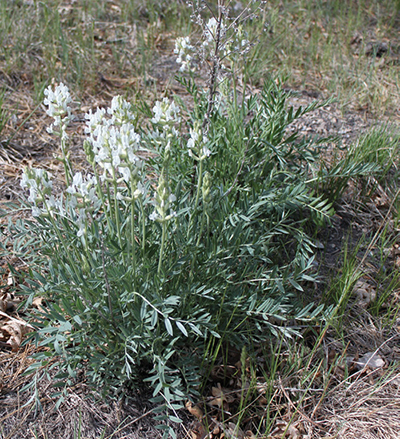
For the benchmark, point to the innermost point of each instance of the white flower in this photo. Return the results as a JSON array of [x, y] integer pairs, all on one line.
[[81, 222], [140, 191], [36, 211], [172, 198], [36, 180], [184, 50], [165, 112], [55, 204], [121, 111], [94, 121], [25, 180], [197, 143], [33, 194], [58, 101], [125, 172], [84, 188], [39, 183], [153, 216]]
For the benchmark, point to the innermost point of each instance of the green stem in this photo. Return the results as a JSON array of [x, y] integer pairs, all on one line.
[[143, 227], [203, 218], [116, 213], [133, 250], [196, 202], [164, 227], [65, 160], [133, 244], [101, 196], [200, 181]]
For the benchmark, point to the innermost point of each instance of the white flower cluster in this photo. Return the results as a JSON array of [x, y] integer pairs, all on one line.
[[58, 101], [162, 202], [230, 48], [166, 116], [39, 184], [184, 50], [84, 190], [114, 140], [166, 113], [197, 143], [82, 196], [121, 111]]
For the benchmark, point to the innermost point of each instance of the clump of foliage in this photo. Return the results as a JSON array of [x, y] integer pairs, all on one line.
[[188, 234]]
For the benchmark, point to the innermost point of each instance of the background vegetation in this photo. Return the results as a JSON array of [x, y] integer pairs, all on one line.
[[276, 385]]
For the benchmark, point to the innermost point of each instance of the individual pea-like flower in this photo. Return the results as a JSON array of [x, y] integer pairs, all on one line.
[[197, 143], [95, 122], [58, 101], [121, 111], [57, 204], [81, 222], [165, 113], [140, 190], [85, 189], [162, 202], [184, 50]]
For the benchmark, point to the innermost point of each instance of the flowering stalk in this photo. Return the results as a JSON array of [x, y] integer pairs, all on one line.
[[215, 30], [162, 211], [39, 183], [160, 257], [58, 101], [113, 144], [199, 151]]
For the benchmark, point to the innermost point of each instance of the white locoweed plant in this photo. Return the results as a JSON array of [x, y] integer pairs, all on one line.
[[187, 235]]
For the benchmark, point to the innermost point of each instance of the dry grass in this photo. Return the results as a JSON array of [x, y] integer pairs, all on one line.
[[367, 408]]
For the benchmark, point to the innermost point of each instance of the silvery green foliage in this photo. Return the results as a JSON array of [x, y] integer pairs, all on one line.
[[142, 279], [202, 238]]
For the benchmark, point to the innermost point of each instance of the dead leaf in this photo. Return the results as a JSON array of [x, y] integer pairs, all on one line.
[[221, 396], [14, 331], [232, 431], [37, 303], [194, 410], [7, 302], [283, 430], [365, 293], [371, 360], [293, 432], [198, 431]]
